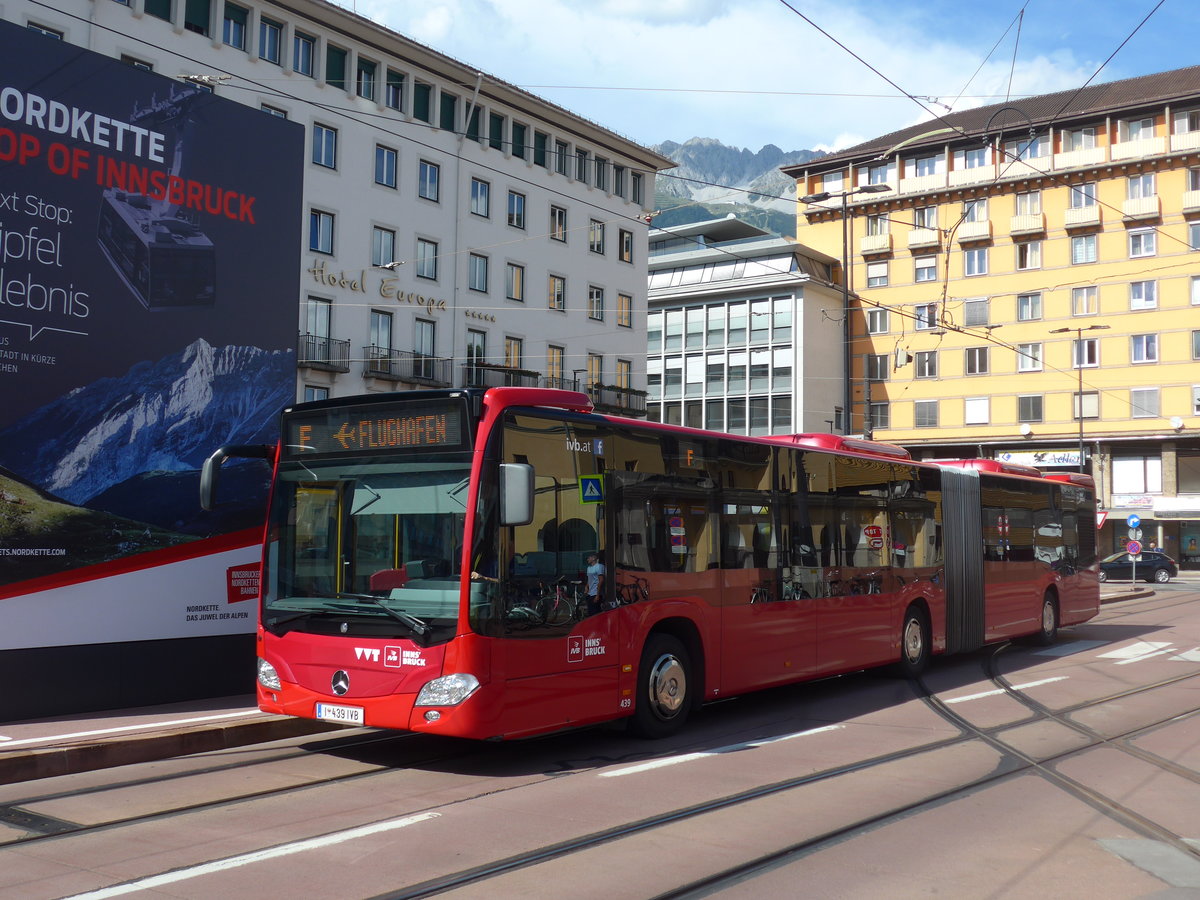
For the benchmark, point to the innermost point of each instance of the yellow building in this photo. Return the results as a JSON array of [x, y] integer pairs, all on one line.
[[1015, 265]]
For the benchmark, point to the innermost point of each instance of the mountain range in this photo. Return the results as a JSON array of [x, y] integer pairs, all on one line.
[[713, 180]]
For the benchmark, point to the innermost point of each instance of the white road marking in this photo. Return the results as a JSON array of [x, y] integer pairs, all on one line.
[[1070, 648], [1135, 650], [233, 862], [172, 723], [1192, 655], [732, 748], [1015, 687]]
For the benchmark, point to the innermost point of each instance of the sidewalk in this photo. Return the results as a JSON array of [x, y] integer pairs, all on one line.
[[44, 748]]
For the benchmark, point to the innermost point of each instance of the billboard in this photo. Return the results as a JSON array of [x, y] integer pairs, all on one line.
[[149, 275]]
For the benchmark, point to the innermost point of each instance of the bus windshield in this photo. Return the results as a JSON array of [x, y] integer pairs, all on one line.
[[368, 546]]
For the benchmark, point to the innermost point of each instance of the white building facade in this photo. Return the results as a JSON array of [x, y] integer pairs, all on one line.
[[457, 230], [743, 331]]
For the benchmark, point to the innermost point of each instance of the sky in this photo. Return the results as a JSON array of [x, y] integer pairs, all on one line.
[[755, 72]]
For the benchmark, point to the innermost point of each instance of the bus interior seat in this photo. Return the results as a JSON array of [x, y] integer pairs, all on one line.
[[388, 579]]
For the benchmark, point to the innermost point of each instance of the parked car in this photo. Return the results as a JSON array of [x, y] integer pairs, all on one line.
[[1152, 565]]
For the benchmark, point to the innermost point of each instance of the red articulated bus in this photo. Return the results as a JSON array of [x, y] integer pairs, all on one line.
[[505, 563]]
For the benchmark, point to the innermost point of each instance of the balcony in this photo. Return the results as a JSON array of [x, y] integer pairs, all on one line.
[[318, 351], [1073, 159], [956, 177], [406, 366], [1082, 217], [1028, 223], [876, 243], [1191, 201], [1139, 149], [1187, 140], [922, 184], [488, 375], [1023, 168], [1141, 208], [609, 398], [923, 237], [974, 231]]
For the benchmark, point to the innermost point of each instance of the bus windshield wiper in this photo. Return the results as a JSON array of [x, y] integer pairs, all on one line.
[[419, 628]]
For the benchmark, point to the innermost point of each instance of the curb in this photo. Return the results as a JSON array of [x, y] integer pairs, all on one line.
[[1132, 594], [50, 762]]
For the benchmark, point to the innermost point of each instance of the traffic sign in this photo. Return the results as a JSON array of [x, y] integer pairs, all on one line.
[[1101, 516], [1135, 534], [1133, 548], [1134, 520]]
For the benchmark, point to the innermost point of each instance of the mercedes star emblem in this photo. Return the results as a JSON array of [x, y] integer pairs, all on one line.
[[340, 682]]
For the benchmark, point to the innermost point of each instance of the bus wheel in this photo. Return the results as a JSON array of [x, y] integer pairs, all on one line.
[[914, 642], [1049, 630], [663, 701]]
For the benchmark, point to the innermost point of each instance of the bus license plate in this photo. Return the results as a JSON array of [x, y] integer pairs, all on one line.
[[343, 715]]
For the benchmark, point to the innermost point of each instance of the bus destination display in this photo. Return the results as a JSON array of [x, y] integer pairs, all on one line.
[[369, 429]]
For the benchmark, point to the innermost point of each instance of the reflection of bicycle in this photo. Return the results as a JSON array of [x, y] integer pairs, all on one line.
[[632, 591], [558, 605]]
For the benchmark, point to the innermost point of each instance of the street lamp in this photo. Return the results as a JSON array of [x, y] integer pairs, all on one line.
[[848, 398], [1078, 354]]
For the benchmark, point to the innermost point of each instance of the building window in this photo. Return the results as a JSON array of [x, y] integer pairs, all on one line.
[[975, 312], [1085, 301], [602, 173], [335, 66], [1029, 307], [562, 152], [554, 365], [1078, 139], [427, 259], [1143, 295], [975, 261], [270, 40], [976, 361], [385, 166], [1090, 404], [427, 183], [976, 411], [877, 274], [477, 272], [975, 210], [423, 101], [1027, 148], [518, 140], [876, 366], [303, 50], [625, 310], [1085, 354], [1141, 242], [1139, 187], [320, 231], [880, 415], [147, 67], [324, 146], [381, 331], [315, 393], [1029, 357], [926, 316], [1194, 236], [558, 223], [925, 364], [1196, 345], [1137, 474], [624, 373], [476, 355], [558, 293], [596, 236], [1029, 408], [1029, 255], [626, 245], [516, 209], [635, 187], [924, 268], [877, 321], [924, 165], [424, 346], [383, 246], [1196, 290], [1083, 196], [596, 303], [1143, 348], [481, 198], [925, 413], [925, 217], [975, 158], [877, 224], [514, 282], [364, 79], [393, 90], [1029, 203], [1083, 249], [595, 369], [514, 352], [448, 112], [233, 30], [1144, 403]]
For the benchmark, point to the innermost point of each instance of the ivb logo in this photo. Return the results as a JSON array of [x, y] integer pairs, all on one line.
[[575, 648]]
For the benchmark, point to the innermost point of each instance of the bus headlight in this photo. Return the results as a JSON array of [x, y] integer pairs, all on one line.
[[267, 676], [449, 690]]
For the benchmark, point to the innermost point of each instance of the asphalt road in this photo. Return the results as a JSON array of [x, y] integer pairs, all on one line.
[[1069, 771]]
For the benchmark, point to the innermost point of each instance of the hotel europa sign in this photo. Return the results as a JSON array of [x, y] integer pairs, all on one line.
[[357, 283]]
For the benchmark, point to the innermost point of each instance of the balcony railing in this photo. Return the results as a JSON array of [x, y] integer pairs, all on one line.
[[317, 351], [491, 375], [1141, 208], [1154, 146], [407, 366], [876, 243], [923, 237], [1028, 223], [974, 231], [1191, 201], [610, 398], [1081, 217]]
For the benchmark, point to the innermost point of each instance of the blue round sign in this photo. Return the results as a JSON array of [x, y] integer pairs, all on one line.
[[1134, 521]]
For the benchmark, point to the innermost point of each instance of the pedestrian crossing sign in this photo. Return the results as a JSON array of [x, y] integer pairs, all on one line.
[[591, 489]]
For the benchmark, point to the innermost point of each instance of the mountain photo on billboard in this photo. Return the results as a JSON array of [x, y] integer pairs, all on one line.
[[131, 447]]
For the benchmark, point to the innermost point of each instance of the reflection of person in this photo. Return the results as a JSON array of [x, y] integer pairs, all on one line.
[[595, 583]]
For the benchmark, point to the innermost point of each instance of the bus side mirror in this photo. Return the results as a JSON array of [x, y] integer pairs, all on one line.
[[516, 493], [212, 467]]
